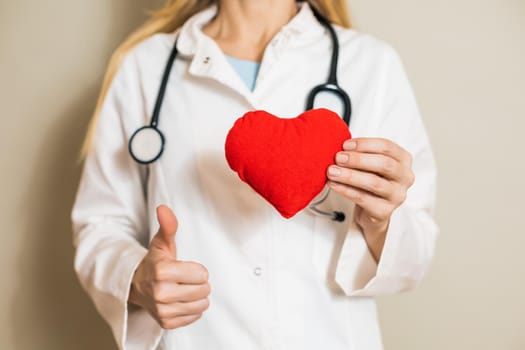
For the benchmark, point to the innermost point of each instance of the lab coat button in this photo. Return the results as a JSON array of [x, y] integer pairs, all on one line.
[[206, 60], [257, 271]]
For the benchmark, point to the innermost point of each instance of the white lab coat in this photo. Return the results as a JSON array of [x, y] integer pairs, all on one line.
[[300, 283]]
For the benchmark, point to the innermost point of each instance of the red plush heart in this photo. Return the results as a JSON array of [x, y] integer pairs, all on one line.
[[285, 159]]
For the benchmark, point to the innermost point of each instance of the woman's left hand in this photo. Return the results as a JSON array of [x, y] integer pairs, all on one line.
[[375, 174]]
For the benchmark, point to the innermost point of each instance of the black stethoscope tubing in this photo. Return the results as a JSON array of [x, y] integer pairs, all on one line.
[[331, 86]]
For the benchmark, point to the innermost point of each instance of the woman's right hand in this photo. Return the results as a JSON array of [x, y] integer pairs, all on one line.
[[174, 292]]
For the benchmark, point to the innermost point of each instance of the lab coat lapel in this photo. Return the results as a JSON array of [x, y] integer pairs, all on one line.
[[208, 60]]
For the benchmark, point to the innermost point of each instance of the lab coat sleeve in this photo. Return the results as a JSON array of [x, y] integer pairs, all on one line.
[[109, 216], [412, 232]]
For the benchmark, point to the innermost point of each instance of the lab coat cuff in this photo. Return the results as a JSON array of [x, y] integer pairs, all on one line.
[[139, 329], [358, 273]]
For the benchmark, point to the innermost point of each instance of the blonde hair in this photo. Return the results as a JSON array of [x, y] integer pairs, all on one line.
[[170, 17]]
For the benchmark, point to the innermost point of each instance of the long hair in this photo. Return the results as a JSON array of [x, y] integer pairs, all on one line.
[[170, 17]]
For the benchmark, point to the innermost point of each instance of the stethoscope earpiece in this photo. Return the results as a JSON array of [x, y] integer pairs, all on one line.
[[338, 216], [146, 144]]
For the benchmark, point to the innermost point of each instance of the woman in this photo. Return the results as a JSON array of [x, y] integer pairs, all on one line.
[[181, 254]]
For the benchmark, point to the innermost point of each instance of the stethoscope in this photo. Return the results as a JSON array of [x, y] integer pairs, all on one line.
[[147, 143]]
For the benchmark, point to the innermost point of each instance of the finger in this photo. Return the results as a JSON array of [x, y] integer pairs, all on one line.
[[378, 208], [372, 162], [168, 224], [171, 292], [378, 145], [178, 321], [188, 272], [167, 311], [363, 180]]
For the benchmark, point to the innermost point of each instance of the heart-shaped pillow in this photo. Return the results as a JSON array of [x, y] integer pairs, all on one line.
[[285, 159]]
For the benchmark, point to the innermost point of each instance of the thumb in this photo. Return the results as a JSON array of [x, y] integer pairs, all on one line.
[[167, 230]]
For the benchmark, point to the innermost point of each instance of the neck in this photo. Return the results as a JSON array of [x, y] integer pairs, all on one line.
[[243, 28]]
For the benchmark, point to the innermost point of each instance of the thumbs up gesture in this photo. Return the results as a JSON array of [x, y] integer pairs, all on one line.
[[174, 292]]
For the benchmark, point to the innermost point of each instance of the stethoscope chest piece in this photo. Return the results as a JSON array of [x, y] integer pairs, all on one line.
[[146, 144]]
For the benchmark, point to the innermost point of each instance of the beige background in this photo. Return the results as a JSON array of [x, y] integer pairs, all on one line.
[[466, 60]]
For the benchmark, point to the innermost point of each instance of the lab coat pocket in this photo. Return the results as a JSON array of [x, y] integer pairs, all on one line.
[[329, 237]]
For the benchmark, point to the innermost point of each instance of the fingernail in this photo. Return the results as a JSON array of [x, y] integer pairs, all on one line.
[[341, 158], [334, 171], [333, 184], [349, 145]]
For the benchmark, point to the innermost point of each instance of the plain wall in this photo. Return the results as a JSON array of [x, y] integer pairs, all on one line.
[[466, 61]]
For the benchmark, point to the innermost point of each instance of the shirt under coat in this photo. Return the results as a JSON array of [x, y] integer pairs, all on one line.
[[276, 284]]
